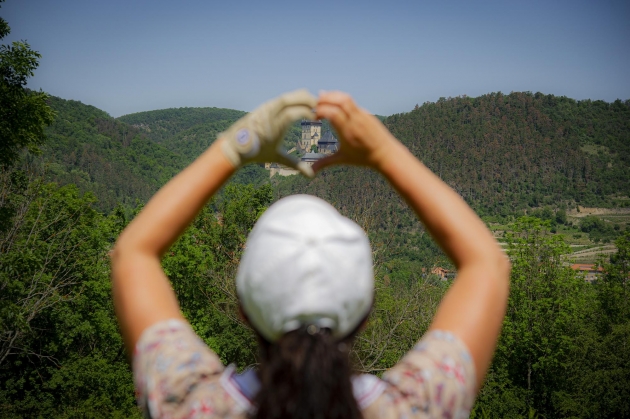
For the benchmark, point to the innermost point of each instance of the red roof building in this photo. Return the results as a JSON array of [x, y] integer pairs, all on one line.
[[590, 271]]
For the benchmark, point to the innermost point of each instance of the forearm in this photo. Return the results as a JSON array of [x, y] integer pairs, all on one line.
[[172, 209], [142, 293], [475, 304]]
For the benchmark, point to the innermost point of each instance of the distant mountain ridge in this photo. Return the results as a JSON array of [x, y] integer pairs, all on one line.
[[502, 153], [505, 153], [125, 162], [114, 160], [164, 124]]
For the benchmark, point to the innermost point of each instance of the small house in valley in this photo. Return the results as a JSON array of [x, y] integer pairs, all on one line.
[[591, 272]]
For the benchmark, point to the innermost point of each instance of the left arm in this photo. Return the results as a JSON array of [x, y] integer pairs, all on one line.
[[142, 293]]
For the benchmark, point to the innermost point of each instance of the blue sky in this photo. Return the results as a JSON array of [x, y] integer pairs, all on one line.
[[131, 56]]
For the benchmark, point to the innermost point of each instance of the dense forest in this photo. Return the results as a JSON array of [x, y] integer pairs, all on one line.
[[123, 163], [189, 131], [505, 153], [113, 160]]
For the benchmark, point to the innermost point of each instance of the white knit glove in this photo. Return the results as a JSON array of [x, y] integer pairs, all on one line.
[[257, 137]]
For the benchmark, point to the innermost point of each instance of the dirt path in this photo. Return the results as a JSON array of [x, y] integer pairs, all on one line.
[[593, 252], [584, 211]]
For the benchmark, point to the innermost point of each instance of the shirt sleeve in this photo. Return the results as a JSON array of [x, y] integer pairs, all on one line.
[[436, 379], [172, 367]]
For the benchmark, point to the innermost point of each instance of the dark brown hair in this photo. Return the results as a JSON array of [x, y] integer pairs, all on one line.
[[306, 375]]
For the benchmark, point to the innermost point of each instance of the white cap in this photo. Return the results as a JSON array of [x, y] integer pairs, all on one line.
[[304, 264]]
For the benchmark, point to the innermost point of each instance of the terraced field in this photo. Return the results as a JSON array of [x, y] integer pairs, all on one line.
[[584, 250], [591, 254]]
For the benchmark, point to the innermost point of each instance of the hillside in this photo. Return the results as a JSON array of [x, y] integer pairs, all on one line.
[[68, 357], [114, 160], [163, 125], [189, 131], [502, 153], [122, 163], [507, 153], [185, 131]]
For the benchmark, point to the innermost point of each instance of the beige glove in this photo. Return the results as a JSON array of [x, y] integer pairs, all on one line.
[[257, 137]]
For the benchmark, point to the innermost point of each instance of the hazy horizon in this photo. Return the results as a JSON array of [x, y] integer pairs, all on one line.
[[126, 58]]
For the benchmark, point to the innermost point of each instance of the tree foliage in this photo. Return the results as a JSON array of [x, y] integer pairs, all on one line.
[[560, 354], [597, 228], [23, 113], [506, 153], [60, 350]]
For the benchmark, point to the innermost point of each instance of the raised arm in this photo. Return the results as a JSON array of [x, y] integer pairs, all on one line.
[[474, 306], [142, 293]]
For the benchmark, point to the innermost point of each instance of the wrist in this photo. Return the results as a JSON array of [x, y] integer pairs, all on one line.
[[389, 155], [229, 152]]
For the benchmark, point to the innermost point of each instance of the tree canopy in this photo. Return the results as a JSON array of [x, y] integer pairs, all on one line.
[[23, 113]]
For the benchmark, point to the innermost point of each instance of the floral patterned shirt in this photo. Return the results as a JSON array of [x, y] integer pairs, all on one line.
[[177, 376]]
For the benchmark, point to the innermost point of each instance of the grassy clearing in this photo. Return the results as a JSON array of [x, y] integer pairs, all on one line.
[[594, 149]]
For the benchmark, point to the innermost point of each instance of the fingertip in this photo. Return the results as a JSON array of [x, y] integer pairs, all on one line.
[[339, 99], [301, 96], [306, 170], [326, 110], [335, 114], [297, 112]]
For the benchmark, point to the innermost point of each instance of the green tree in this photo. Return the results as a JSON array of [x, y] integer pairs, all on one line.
[[601, 377], [561, 216], [401, 314], [23, 113], [614, 289], [545, 321], [61, 354], [597, 228]]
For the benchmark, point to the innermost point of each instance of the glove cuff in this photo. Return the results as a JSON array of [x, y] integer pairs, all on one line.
[[240, 146], [231, 154]]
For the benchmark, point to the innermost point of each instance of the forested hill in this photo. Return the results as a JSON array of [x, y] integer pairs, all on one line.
[[186, 131], [502, 153], [189, 131], [505, 153], [121, 162], [116, 161], [164, 124]]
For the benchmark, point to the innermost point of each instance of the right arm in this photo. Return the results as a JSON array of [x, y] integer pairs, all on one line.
[[474, 306]]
